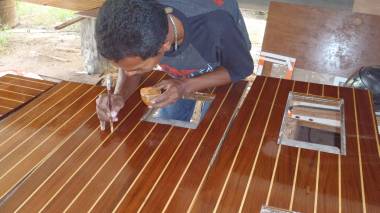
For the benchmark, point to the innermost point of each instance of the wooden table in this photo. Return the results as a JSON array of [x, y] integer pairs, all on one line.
[[55, 158], [16, 91], [330, 41]]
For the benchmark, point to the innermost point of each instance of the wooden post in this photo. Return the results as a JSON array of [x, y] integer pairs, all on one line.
[[93, 62], [8, 13]]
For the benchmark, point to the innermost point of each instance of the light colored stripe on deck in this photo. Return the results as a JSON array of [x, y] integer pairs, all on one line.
[[102, 166], [211, 163], [317, 182], [89, 157], [73, 152], [47, 138], [42, 114], [297, 165], [294, 180], [273, 175], [196, 150], [163, 172], [16, 85], [142, 170], [275, 165], [240, 145], [258, 150], [8, 108], [359, 154], [18, 93], [318, 170], [100, 144], [339, 172], [339, 184], [29, 80], [10, 99], [374, 122], [296, 170], [39, 145], [27, 112], [48, 156]]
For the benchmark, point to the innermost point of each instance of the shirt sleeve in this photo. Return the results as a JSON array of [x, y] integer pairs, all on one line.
[[233, 51]]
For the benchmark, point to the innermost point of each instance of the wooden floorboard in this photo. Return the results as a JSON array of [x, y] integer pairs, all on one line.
[[368, 151], [185, 158], [329, 184], [231, 199], [282, 190], [55, 158], [78, 145], [16, 91], [203, 160], [350, 180], [221, 171]]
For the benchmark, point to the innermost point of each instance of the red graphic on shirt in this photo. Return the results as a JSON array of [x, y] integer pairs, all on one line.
[[176, 72], [219, 3]]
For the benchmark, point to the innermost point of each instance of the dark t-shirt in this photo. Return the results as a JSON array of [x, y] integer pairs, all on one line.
[[215, 35]]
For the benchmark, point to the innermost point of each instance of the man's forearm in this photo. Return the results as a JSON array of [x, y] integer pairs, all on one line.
[[213, 79], [126, 85]]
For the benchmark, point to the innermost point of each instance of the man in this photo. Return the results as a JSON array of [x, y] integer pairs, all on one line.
[[200, 44]]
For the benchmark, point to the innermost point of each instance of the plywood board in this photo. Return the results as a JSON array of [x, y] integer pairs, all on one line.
[[16, 91], [337, 42]]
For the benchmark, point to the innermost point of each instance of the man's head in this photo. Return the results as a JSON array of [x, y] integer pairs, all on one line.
[[132, 33]]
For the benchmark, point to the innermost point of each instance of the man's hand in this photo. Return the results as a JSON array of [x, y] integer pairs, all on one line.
[[102, 107], [177, 88], [174, 90]]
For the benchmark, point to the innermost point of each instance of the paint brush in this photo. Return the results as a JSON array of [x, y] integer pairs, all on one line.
[[109, 90]]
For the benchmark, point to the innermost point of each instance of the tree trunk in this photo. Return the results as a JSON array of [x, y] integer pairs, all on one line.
[[93, 62], [8, 13]]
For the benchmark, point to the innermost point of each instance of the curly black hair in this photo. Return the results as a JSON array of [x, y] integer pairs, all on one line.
[[127, 28]]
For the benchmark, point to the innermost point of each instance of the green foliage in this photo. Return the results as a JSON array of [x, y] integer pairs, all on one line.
[[33, 15], [4, 38]]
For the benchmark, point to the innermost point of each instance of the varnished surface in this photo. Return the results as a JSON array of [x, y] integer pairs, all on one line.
[[57, 151], [323, 40], [16, 91], [66, 163]]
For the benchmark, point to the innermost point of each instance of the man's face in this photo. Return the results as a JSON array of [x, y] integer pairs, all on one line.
[[135, 65]]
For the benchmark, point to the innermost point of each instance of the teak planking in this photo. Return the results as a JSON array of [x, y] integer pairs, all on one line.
[[68, 164], [16, 91]]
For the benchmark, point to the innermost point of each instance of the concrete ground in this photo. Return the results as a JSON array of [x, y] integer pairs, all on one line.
[[56, 54]]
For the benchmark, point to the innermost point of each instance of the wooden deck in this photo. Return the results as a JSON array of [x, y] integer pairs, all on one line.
[[53, 157], [16, 91]]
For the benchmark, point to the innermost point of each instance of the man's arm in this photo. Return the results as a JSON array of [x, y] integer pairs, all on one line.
[[177, 88], [126, 85]]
